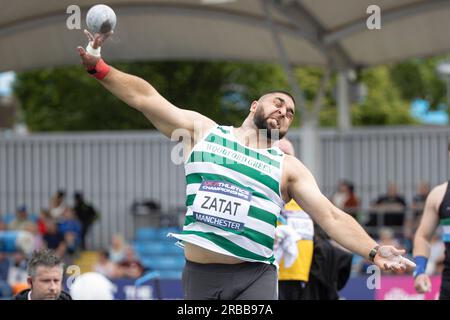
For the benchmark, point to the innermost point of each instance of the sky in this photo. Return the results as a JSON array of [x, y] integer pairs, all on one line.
[[6, 80]]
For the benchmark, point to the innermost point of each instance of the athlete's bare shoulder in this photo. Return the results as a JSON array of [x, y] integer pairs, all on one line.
[[437, 194], [292, 167], [439, 189], [295, 175]]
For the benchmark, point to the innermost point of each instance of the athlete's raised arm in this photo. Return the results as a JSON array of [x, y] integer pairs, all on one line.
[[138, 93]]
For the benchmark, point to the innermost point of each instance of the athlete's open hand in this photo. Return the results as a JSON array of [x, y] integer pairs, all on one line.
[[388, 258], [96, 41], [422, 283]]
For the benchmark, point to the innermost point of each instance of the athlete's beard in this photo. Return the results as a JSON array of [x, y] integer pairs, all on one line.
[[261, 123]]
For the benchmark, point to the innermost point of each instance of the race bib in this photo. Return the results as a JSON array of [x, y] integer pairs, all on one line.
[[222, 204]]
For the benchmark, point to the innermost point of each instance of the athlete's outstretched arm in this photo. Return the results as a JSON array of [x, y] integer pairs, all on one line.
[[339, 225], [141, 95]]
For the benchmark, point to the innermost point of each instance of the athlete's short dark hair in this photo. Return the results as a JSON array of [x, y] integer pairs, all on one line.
[[279, 91]]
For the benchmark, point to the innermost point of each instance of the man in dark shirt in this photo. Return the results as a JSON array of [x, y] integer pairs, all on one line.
[[330, 269], [86, 214], [392, 206]]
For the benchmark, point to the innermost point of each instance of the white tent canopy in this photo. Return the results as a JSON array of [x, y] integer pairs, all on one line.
[[34, 34]]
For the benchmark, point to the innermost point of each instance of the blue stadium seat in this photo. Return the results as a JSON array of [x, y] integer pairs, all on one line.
[[8, 218], [139, 246], [8, 241], [164, 263], [149, 248], [165, 230], [147, 233], [173, 249]]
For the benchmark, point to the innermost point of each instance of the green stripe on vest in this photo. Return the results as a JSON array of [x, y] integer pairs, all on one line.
[[235, 166], [251, 234], [229, 246]]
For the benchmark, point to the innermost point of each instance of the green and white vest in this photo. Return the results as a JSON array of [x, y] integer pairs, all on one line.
[[233, 197]]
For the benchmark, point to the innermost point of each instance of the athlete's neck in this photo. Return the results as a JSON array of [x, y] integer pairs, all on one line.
[[249, 135]]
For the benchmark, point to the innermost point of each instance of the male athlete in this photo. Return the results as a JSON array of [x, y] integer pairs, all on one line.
[[436, 212], [237, 184]]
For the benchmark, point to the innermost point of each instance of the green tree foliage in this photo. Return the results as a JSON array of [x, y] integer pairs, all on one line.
[[67, 99], [309, 79], [384, 104], [391, 88], [417, 78]]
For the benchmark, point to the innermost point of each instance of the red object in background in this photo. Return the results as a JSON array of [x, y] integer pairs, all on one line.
[[402, 288], [42, 227]]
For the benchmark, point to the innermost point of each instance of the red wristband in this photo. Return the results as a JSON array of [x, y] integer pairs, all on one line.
[[100, 70]]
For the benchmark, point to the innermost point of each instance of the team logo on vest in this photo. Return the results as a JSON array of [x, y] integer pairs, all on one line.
[[231, 156], [222, 204]]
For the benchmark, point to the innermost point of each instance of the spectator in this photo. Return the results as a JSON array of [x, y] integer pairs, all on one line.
[[117, 249], [392, 205], [38, 241], [21, 220], [418, 204], [71, 228], [345, 198], [407, 237], [43, 220], [69, 249], [330, 270], [392, 200], [5, 288], [57, 204], [130, 266], [4, 267], [53, 238], [86, 214], [104, 266], [17, 272], [386, 237]]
